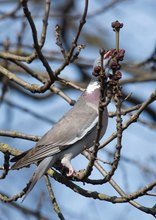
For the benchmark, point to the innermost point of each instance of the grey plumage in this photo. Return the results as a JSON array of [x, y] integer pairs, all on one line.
[[74, 132]]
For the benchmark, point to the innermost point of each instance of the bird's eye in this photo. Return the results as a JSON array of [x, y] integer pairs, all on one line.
[[96, 71]]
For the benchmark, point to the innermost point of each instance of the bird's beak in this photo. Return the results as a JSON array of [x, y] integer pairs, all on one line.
[[106, 58], [106, 61]]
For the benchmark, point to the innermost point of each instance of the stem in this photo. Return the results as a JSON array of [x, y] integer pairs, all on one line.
[[117, 40]]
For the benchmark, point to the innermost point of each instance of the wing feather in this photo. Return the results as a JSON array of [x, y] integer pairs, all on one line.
[[64, 134]]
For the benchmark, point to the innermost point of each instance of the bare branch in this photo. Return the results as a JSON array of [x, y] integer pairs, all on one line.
[[53, 199]]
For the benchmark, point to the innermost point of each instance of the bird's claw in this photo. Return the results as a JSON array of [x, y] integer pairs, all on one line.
[[70, 172]]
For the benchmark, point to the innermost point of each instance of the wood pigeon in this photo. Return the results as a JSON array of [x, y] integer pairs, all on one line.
[[73, 133]]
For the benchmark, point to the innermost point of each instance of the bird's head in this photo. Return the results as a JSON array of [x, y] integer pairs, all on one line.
[[110, 62], [94, 84], [106, 61]]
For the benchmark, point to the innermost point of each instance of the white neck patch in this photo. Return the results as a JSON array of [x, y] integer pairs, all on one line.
[[92, 86]]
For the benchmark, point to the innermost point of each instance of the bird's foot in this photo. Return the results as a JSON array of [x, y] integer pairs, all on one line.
[[67, 171], [70, 172]]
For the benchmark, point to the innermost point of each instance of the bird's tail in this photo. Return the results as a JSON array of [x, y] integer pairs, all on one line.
[[41, 170]]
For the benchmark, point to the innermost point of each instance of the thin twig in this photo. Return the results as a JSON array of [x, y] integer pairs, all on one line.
[[53, 199], [74, 42], [5, 166], [133, 118], [102, 105], [16, 134], [35, 38]]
